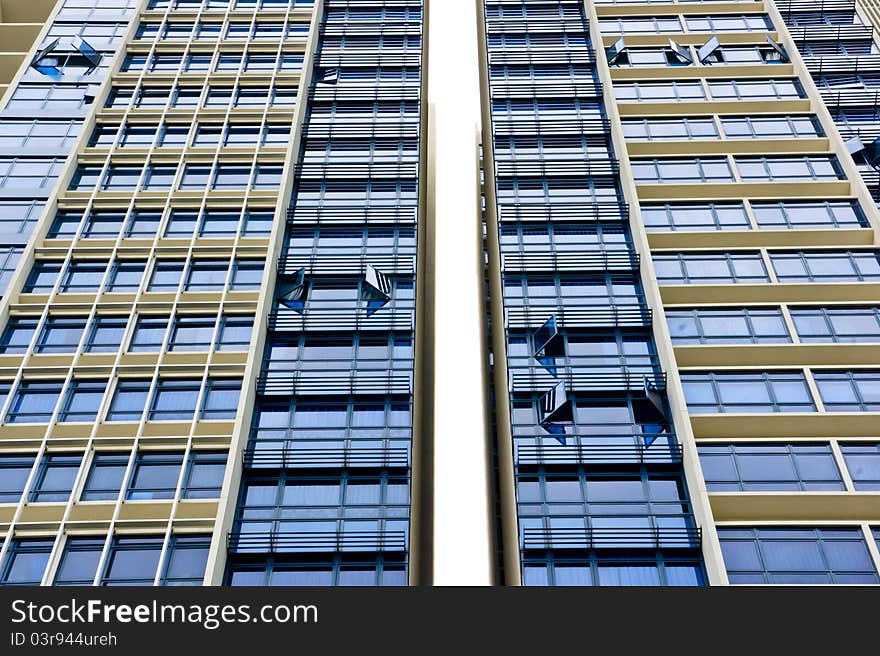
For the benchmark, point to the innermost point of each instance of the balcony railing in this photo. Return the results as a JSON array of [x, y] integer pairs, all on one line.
[[564, 212], [262, 455], [584, 261], [518, 24], [328, 93], [861, 98], [599, 378], [872, 181], [852, 65], [611, 538], [804, 33], [354, 214], [349, 541], [361, 129], [348, 170], [369, 57], [814, 6], [550, 126], [540, 88], [334, 318], [345, 264], [388, 25], [545, 167], [329, 382], [867, 132], [572, 315], [594, 452], [519, 57]]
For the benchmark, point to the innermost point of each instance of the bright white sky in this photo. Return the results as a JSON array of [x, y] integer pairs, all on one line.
[[461, 532]]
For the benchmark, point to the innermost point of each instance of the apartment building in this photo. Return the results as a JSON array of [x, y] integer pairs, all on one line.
[[218, 223]]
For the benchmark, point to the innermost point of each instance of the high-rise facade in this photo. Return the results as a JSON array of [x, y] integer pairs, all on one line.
[[325, 494], [127, 340], [677, 156], [218, 331]]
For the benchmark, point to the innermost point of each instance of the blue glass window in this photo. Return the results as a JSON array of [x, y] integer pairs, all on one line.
[[149, 334], [143, 224], [14, 472], [827, 266], [192, 334], [79, 562], [204, 476], [83, 400], [863, 463], [246, 275], [175, 400], [844, 325], [378, 570], [60, 335], [166, 276], [601, 570], [129, 400], [83, 277], [849, 391], [186, 560], [235, 333], [695, 216], [42, 278], [34, 402], [106, 334], [132, 561], [727, 326], [221, 398], [126, 276], [55, 477], [17, 334], [709, 268], [719, 392], [105, 477], [788, 555], [759, 466], [25, 562], [155, 475]]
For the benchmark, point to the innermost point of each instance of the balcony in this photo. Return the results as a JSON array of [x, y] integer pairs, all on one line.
[[280, 455], [591, 167], [872, 181], [564, 212], [286, 542], [550, 125], [598, 450], [786, 7], [329, 382], [834, 33], [348, 169], [370, 57], [540, 56], [867, 131], [580, 261], [357, 214], [331, 317], [586, 314], [851, 65], [388, 25], [545, 88], [532, 24], [361, 129], [349, 264], [864, 98], [370, 90], [580, 377], [649, 537]]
